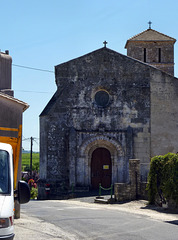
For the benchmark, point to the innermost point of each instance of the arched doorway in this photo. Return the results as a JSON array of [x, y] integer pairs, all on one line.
[[101, 168]]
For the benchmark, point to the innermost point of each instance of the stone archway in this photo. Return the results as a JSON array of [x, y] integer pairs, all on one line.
[[117, 156]]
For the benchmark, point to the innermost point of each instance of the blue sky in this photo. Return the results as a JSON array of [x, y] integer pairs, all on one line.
[[42, 34]]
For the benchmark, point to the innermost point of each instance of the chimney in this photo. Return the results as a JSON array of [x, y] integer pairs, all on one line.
[[7, 52], [5, 73]]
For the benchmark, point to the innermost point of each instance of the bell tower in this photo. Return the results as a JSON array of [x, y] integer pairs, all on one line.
[[153, 48]]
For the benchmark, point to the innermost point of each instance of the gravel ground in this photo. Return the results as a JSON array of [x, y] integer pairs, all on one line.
[[136, 207], [29, 228]]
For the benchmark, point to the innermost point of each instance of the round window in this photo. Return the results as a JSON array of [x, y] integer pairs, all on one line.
[[102, 98]]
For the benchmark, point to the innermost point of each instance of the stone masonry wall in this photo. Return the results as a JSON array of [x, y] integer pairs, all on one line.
[[164, 113], [130, 190], [126, 82], [73, 117]]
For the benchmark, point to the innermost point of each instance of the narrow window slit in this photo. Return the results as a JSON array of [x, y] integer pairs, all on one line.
[[159, 55], [144, 54]]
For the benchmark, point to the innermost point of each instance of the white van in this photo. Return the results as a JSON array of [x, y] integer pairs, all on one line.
[[7, 192]]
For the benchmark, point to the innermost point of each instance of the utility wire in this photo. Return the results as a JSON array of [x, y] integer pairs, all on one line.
[[36, 141], [31, 68], [38, 69], [31, 91], [27, 139]]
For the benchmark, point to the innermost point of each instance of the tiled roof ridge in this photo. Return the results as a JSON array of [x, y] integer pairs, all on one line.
[[135, 36]]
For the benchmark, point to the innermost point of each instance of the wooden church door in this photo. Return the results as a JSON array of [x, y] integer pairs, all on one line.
[[101, 168]]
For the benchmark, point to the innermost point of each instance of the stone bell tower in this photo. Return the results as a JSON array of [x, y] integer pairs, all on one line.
[[154, 48]]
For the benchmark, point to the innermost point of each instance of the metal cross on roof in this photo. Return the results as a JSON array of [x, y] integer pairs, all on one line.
[[105, 43], [149, 24]]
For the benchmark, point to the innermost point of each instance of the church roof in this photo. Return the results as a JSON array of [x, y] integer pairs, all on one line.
[[50, 104], [150, 35]]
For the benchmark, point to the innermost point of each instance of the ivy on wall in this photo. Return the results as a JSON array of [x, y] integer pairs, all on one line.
[[163, 179]]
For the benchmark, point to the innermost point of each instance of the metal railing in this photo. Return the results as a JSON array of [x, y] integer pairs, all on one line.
[[106, 189]]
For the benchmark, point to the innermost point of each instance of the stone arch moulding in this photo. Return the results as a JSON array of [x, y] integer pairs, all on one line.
[[92, 143], [116, 151]]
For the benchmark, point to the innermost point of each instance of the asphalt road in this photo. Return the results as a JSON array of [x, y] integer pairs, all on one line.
[[77, 220]]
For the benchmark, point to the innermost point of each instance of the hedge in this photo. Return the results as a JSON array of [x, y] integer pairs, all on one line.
[[163, 179]]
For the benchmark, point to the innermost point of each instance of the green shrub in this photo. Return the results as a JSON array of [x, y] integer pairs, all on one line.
[[163, 178], [33, 188], [34, 193]]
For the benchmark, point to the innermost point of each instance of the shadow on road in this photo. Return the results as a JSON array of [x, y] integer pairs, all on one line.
[[175, 222], [161, 209]]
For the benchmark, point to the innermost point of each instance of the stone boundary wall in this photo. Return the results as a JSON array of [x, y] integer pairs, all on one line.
[[134, 189]]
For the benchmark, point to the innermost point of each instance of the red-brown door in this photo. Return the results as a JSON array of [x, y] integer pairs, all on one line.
[[101, 168]]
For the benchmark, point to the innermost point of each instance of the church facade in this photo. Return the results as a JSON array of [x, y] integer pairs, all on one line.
[[109, 108]]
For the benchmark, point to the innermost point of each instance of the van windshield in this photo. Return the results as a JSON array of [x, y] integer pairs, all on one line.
[[4, 172]]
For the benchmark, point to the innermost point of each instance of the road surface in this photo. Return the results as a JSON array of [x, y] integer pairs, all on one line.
[[75, 220]]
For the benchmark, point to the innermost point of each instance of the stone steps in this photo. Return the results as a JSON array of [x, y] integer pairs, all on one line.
[[102, 200]]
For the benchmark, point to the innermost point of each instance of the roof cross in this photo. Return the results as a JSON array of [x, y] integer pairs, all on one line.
[[105, 43], [149, 24]]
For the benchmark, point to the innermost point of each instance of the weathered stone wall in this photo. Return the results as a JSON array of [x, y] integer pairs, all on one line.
[[54, 162], [164, 113], [73, 125], [132, 189], [127, 83]]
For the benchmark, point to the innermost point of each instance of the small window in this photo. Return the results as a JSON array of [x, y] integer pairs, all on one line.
[[144, 54], [159, 55]]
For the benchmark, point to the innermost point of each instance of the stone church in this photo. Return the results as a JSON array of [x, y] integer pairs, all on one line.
[[109, 108]]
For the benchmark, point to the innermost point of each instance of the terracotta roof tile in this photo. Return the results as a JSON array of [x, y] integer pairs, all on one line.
[[150, 35]]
